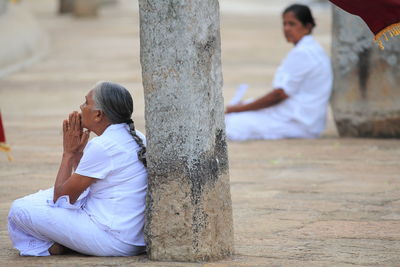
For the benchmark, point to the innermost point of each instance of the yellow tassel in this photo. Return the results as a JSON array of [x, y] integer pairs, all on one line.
[[386, 38], [6, 148], [379, 42], [393, 30]]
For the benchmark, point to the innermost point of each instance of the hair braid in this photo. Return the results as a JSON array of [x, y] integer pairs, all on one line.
[[142, 152], [117, 104]]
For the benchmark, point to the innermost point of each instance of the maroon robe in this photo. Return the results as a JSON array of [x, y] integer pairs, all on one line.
[[381, 16]]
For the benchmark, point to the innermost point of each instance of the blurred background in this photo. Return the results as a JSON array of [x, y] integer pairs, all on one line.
[[50, 58]]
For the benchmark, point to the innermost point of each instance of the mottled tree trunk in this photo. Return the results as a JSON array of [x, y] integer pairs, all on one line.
[[189, 214], [366, 93]]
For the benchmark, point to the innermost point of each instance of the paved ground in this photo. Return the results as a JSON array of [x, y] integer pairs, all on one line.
[[325, 202]]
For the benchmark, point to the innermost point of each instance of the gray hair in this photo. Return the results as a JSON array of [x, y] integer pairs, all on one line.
[[117, 104]]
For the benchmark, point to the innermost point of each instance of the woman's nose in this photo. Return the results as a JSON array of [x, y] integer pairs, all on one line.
[[286, 27]]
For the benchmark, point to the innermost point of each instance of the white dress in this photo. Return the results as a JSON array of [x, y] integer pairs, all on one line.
[[306, 77], [106, 220]]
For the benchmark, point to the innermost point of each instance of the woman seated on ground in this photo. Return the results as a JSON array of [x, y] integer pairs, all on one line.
[[98, 209], [297, 106]]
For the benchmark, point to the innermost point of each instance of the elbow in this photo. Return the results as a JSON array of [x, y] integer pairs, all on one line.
[[279, 95], [57, 193], [56, 196], [282, 94]]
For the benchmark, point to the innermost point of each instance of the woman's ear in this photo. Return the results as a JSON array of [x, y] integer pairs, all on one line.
[[309, 27], [98, 116]]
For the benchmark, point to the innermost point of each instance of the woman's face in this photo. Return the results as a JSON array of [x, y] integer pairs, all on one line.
[[87, 111], [293, 29]]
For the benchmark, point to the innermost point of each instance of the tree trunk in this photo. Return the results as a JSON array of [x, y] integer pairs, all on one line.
[[366, 91], [189, 213]]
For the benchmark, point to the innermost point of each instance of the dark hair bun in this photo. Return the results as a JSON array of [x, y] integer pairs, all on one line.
[[302, 13]]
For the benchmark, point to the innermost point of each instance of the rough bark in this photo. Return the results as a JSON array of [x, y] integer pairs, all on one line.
[[366, 91], [189, 214]]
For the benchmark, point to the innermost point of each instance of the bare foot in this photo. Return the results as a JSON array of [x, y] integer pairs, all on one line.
[[56, 249]]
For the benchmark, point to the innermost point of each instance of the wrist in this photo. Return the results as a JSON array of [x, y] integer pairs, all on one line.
[[232, 109], [71, 155], [237, 108]]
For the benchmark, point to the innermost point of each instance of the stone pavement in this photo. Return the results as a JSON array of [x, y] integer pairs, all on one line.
[[325, 202]]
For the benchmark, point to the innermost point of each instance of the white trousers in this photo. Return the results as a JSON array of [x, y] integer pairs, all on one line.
[[35, 223], [261, 124]]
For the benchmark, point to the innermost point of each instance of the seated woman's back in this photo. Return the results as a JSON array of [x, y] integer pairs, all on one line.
[[117, 199], [306, 76]]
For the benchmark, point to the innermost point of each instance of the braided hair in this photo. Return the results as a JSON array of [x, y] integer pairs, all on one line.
[[117, 104]]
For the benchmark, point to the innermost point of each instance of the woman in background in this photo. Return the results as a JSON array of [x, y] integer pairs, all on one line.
[[297, 105]]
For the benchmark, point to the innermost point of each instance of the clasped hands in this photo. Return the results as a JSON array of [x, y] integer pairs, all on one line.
[[74, 138]]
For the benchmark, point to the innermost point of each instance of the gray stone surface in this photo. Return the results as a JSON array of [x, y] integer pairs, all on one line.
[[189, 210], [366, 93], [326, 202]]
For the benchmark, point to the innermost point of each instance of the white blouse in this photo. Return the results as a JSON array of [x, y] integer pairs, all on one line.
[[306, 77], [116, 201]]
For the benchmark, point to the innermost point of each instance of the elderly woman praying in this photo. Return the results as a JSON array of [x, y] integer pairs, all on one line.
[[97, 204]]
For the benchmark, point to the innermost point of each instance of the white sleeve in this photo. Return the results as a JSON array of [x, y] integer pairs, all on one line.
[[293, 70], [95, 162]]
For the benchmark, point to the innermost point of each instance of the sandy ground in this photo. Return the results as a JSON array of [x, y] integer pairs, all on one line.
[[325, 202]]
